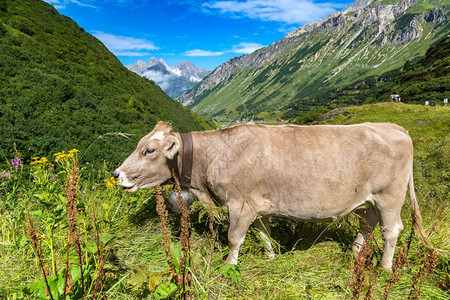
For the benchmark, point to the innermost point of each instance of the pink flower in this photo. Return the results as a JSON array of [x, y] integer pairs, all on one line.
[[16, 163]]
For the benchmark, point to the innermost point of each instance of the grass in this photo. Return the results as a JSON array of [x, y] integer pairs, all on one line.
[[124, 249], [303, 75]]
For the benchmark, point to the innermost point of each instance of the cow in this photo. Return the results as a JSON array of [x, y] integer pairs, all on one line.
[[310, 173]]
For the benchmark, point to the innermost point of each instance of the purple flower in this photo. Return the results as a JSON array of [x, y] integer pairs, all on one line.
[[53, 177], [16, 163]]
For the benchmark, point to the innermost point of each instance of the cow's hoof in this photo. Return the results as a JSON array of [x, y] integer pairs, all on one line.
[[269, 254]]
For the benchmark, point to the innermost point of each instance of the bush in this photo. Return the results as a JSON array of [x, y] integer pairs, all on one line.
[[310, 116]]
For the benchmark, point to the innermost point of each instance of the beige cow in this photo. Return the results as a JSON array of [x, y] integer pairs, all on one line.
[[309, 173]]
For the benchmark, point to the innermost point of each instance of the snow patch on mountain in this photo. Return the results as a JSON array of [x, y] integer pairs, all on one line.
[[172, 80]]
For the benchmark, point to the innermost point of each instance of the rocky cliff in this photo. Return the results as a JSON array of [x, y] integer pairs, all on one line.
[[367, 38]]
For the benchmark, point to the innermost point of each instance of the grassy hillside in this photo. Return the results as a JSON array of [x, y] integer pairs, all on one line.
[[298, 71], [425, 79], [60, 87], [122, 244]]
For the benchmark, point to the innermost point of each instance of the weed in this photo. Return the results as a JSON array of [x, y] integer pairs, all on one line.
[[362, 266], [400, 261], [98, 286], [429, 264], [162, 212], [175, 280], [184, 237], [38, 251], [71, 193], [126, 254]]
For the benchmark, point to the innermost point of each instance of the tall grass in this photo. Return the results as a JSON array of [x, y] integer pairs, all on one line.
[[133, 248]]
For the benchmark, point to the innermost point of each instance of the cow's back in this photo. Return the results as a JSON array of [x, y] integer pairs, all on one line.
[[325, 170]]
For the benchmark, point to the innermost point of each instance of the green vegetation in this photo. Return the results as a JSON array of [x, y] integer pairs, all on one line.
[[123, 243], [60, 87], [426, 79], [310, 116], [67, 229], [311, 71]]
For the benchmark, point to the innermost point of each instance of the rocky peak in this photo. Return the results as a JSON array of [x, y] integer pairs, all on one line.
[[173, 81], [138, 66], [436, 15], [357, 5]]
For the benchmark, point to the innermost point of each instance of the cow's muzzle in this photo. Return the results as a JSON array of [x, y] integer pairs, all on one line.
[[122, 179], [115, 174]]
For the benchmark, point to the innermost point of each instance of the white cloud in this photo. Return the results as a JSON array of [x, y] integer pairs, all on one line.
[[61, 4], [242, 48], [198, 52], [125, 46], [246, 48], [163, 80], [285, 11], [131, 53]]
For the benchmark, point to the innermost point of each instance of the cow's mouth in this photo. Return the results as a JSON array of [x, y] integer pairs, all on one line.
[[122, 180], [131, 189]]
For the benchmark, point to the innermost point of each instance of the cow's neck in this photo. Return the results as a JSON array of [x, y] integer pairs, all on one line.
[[185, 161]]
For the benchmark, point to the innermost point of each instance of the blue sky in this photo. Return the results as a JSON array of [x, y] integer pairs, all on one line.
[[208, 33]]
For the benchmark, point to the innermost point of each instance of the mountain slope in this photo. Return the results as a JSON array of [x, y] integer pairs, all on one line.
[[366, 39], [174, 81], [426, 79], [61, 88]]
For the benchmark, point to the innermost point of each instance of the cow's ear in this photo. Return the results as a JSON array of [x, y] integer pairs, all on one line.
[[171, 146]]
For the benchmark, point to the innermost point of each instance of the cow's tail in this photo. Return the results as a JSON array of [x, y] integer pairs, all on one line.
[[415, 214]]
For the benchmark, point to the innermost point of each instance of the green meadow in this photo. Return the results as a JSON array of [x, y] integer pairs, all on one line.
[[68, 231]]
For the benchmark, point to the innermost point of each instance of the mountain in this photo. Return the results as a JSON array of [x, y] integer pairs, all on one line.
[[60, 88], [174, 81], [426, 79], [368, 38]]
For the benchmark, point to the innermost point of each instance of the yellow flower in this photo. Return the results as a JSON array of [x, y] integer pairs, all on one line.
[[43, 161], [74, 151], [65, 156], [110, 182], [60, 156]]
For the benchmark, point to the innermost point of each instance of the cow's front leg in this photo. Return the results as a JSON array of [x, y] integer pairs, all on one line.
[[241, 217]]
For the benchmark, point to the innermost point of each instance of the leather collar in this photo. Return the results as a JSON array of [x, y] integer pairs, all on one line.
[[184, 173]]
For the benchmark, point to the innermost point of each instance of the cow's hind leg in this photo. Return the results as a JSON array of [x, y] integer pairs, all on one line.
[[368, 221], [391, 224], [241, 217], [263, 227]]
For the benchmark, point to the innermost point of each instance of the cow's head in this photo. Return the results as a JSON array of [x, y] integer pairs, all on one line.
[[148, 166]]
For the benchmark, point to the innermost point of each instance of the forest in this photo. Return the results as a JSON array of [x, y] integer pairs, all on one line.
[[60, 87]]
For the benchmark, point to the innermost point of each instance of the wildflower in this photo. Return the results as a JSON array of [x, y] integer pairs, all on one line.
[[65, 156], [5, 175], [74, 151], [60, 156], [43, 161], [110, 182], [16, 163], [53, 178]]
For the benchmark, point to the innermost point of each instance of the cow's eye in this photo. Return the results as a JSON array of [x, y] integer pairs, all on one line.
[[149, 151]]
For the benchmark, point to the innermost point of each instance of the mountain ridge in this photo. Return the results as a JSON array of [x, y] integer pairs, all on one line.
[[173, 80], [321, 55]]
